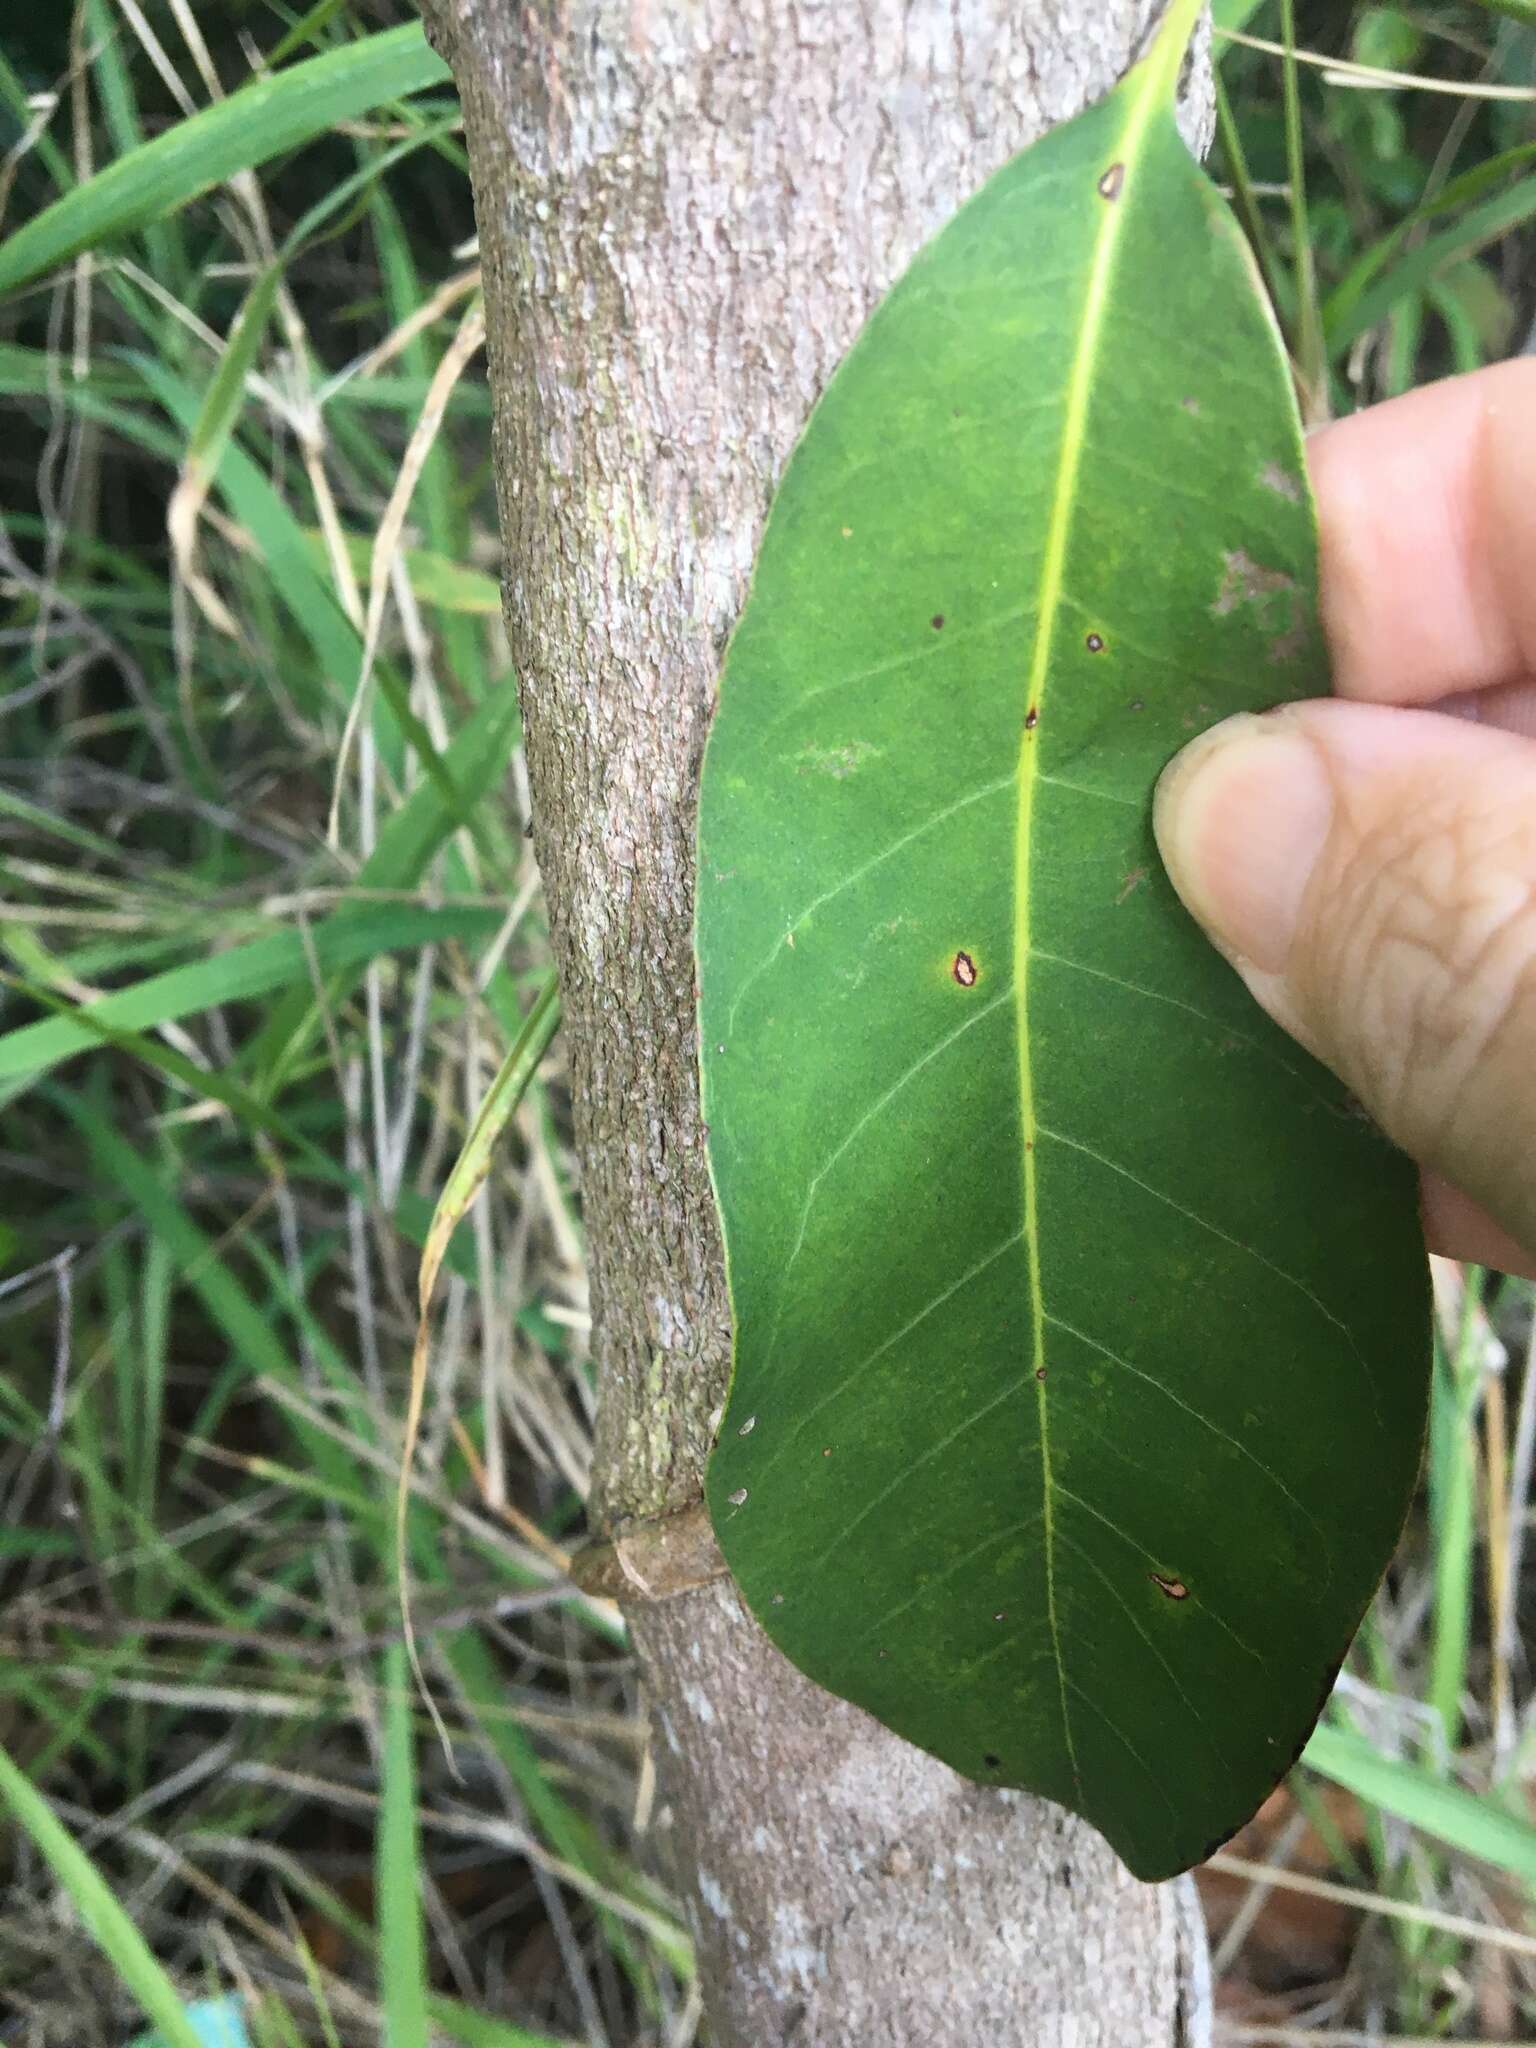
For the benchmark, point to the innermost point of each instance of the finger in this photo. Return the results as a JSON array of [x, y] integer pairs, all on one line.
[[1509, 706], [1371, 872], [1428, 524], [1457, 1228]]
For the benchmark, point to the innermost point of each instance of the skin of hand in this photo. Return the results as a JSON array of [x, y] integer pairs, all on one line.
[[1368, 862]]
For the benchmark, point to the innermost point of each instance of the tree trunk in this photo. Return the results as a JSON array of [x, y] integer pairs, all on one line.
[[687, 209]]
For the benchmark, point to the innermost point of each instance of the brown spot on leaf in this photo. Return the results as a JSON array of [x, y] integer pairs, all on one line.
[[1133, 882], [964, 970], [1112, 184], [1095, 643], [1039, 1372], [1031, 718], [1174, 1588], [993, 1763], [937, 622]]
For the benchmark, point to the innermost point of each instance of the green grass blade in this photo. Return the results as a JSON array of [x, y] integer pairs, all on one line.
[[108, 1925], [1452, 1815], [479, 2030], [435, 578], [1311, 358], [348, 939], [1244, 202], [221, 405], [402, 1946], [1512, 10], [260, 121], [1355, 310], [473, 1164], [1460, 192]]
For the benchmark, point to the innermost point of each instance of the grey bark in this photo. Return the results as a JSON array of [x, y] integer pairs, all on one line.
[[687, 209]]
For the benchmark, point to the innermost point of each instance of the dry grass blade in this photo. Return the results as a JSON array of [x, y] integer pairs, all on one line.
[[461, 352], [1373, 1902], [426, 315], [209, 440], [463, 1184], [1341, 71]]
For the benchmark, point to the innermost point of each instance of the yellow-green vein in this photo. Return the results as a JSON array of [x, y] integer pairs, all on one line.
[[1158, 75]]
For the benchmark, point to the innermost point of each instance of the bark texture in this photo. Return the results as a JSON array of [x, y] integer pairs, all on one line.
[[687, 209]]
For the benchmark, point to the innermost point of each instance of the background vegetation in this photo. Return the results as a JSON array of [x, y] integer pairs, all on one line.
[[270, 939]]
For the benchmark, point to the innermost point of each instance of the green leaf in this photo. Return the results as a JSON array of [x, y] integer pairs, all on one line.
[[1080, 1325], [260, 121]]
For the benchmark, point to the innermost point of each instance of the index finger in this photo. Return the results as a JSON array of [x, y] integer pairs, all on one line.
[[1427, 507]]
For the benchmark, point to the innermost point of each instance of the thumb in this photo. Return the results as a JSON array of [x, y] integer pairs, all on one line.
[[1371, 874]]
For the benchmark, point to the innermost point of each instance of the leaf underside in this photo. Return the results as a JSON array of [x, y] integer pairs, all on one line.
[[1081, 1324]]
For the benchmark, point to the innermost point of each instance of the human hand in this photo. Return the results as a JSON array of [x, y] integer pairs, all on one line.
[[1368, 863]]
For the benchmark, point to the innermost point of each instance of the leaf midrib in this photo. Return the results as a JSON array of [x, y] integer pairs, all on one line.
[[1139, 107]]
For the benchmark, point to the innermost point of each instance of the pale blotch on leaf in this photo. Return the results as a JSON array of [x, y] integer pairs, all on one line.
[[838, 762], [1175, 1589], [1271, 593], [738, 1499], [1112, 184], [1281, 482], [1245, 581], [748, 1426]]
